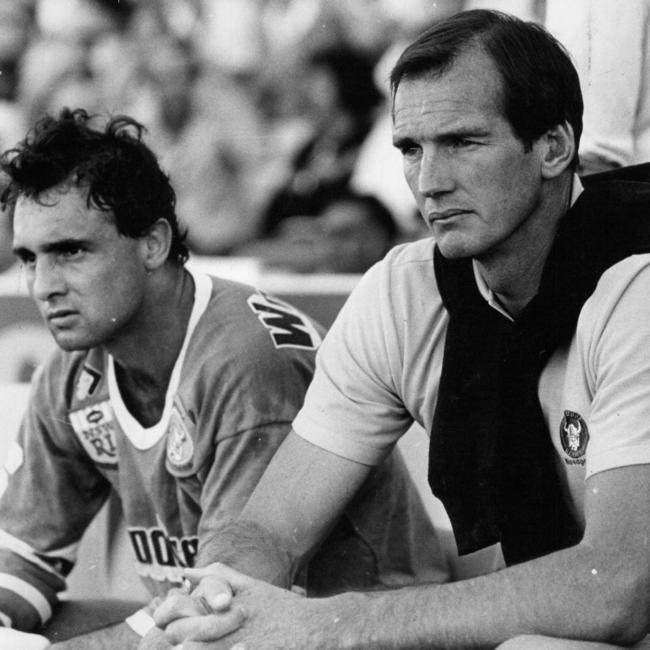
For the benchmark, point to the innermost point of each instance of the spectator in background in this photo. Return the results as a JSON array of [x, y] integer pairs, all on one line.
[[610, 45], [350, 234], [15, 20], [221, 164], [334, 93], [57, 66]]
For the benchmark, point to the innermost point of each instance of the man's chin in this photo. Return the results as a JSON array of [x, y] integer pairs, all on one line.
[[70, 343], [454, 252]]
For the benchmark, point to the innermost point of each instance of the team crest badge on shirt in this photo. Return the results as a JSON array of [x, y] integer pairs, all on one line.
[[180, 447], [95, 427], [87, 383], [574, 436]]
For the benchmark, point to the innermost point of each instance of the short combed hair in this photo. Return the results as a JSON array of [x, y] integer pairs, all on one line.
[[119, 171], [541, 88]]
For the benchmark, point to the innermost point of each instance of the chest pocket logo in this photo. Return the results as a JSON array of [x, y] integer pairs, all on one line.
[[574, 436], [95, 427]]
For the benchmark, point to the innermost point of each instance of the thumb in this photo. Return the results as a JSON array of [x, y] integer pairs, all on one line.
[[216, 584]]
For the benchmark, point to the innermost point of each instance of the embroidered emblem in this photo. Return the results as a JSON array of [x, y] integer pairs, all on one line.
[[96, 429], [87, 383], [179, 442], [289, 328], [574, 435]]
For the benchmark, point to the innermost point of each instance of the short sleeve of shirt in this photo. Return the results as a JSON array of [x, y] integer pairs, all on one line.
[[617, 352], [353, 407]]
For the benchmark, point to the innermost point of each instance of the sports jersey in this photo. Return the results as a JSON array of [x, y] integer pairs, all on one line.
[[238, 382], [379, 368]]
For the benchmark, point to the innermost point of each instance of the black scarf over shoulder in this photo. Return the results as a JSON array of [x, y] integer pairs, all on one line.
[[491, 459]]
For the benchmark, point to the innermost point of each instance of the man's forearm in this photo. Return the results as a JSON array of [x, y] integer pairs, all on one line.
[[116, 636], [251, 549], [570, 594]]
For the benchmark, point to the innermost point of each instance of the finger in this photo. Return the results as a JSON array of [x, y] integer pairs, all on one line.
[[153, 605], [195, 575], [212, 584], [178, 605], [215, 569], [215, 592], [205, 628]]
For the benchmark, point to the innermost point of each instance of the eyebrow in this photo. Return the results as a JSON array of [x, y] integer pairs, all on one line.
[[462, 132], [52, 247], [402, 143]]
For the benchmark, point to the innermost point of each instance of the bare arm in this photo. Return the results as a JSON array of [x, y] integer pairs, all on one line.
[[598, 590], [301, 494], [116, 636]]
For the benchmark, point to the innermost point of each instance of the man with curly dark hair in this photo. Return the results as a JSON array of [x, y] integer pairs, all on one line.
[[171, 389]]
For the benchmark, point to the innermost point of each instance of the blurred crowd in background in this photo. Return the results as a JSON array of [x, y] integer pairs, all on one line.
[[269, 115]]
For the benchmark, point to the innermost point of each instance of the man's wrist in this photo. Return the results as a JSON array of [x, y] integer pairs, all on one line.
[[250, 548]]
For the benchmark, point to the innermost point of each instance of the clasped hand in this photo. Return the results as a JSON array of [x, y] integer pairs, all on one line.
[[226, 610]]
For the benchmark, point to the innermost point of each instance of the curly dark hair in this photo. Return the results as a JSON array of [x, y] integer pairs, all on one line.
[[121, 173]]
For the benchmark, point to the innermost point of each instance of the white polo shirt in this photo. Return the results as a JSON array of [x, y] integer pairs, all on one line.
[[379, 368]]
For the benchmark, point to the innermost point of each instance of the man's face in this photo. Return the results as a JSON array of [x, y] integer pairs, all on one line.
[[86, 279], [473, 180]]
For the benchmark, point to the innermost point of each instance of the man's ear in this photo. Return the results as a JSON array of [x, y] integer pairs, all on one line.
[[558, 150], [155, 245]]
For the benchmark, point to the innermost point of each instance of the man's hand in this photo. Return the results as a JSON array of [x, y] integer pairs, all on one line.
[[249, 614]]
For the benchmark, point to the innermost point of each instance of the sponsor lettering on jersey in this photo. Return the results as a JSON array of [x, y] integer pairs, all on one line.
[[96, 428], [162, 557], [87, 383], [289, 328], [574, 436]]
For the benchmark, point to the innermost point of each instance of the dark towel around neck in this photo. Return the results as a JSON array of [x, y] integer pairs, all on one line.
[[491, 459]]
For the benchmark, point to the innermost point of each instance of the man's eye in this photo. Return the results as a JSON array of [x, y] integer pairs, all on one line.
[[71, 252], [410, 151], [461, 143]]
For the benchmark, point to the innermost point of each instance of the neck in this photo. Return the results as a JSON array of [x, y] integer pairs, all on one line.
[[515, 271], [146, 354]]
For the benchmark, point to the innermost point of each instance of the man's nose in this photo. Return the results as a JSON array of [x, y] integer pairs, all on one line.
[[435, 173], [44, 279]]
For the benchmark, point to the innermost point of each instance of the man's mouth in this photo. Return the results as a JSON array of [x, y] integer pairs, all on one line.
[[60, 316], [444, 215], [442, 218]]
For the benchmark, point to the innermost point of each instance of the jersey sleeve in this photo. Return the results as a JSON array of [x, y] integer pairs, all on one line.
[[245, 397], [352, 407], [52, 493], [618, 367]]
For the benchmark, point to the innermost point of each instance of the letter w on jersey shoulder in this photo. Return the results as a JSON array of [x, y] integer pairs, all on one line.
[[288, 327]]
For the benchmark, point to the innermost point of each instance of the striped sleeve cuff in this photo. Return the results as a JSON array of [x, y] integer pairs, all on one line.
[[23, 604]]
